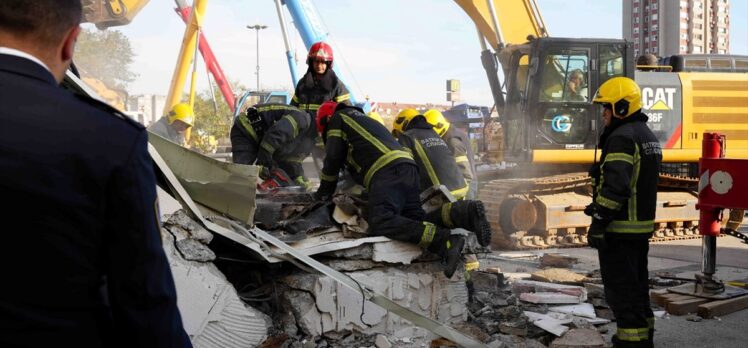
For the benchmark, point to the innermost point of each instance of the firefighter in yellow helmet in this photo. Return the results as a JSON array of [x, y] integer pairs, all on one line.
[[172, 126], [623, 209], [458, 143], [402, 120]]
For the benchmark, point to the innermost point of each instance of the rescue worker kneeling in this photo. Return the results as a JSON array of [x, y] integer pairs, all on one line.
[[623, 209], [458, 144], [438, 167], [273, 135], [377, 162]]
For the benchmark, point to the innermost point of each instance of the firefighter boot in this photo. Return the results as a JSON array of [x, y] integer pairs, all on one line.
[[467, 214], [449, 248]]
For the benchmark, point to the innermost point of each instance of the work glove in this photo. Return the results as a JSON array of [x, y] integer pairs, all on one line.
[[303, 182], [264, 172]]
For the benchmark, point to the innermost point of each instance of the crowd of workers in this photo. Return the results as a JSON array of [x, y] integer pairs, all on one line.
[[85, 221]]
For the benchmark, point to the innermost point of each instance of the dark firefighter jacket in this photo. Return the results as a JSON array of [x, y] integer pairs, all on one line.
[[437, 164], [310, 93], [359, 142], [625, 179], [279, 130], [458, 141]]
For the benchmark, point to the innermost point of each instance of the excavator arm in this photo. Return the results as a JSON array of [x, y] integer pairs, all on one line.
[[111, 13], [505, 22]]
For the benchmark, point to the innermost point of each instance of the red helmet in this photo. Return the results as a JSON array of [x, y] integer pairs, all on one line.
[[324, 113], [321, 51]]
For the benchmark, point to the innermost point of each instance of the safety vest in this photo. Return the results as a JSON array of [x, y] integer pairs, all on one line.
[[359, 143], [625, 179], [436, 163]]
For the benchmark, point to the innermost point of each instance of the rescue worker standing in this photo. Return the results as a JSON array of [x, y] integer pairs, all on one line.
[[172, 126], [623, 209], [274, 135], [81, 248], [437, 166], [458, 143], [377, 162], [318, 85]]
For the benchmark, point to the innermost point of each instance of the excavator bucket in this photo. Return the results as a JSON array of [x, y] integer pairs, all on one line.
[[111, 13], [517, 19]]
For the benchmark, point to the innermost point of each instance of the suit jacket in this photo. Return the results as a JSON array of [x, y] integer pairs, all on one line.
[[81, 251]]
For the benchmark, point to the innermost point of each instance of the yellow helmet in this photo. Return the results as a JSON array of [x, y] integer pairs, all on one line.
[[435, 117], [402, 120], [622, 94], [181, 112], [376, 116]]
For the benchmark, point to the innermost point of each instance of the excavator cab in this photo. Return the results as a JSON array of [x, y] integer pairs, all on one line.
[[550, 84]]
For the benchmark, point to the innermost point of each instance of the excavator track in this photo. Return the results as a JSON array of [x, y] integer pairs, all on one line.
[[496, 192]]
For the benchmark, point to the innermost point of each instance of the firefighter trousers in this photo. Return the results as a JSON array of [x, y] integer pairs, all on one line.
[[623, 265], [394, 208]]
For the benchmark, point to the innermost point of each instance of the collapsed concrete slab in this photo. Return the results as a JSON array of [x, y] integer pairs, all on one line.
[[212, 312], [322, 306]]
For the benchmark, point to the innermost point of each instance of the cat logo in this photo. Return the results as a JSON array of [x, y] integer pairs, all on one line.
[[659, 99]]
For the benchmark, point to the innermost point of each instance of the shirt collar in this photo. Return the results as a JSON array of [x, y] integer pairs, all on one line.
[[22, 54]]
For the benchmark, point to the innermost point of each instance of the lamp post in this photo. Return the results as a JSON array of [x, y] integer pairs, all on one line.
[[257, 28]]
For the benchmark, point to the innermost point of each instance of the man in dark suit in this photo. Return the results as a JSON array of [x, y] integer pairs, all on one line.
[[81, 253]]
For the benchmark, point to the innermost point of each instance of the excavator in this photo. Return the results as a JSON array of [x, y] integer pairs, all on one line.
[[551, 132]]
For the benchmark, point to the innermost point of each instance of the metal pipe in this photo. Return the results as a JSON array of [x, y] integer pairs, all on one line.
[[289, 54], [257, 28], [709, 251], [495, 21]]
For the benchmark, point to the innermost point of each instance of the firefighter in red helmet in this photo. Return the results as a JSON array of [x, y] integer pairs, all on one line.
[[318, 85]]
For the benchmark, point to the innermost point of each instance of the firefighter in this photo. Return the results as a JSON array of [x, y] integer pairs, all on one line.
[[172, 126], [458, 143], [273, 135], [389, 174], [438, 167], [623, 209], [318, 85]]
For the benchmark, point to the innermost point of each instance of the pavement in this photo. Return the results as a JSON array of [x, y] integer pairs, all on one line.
[[683, 258]]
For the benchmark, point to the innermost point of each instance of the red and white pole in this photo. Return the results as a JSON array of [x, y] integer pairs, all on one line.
[[712, 146]]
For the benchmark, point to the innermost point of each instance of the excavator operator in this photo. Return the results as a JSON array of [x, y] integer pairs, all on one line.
[[273, 135], [623, 209], [172, 126], [390, 176], [437, 166], [458, 143]]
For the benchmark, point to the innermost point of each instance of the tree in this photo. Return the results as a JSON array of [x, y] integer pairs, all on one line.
[[105, 55]]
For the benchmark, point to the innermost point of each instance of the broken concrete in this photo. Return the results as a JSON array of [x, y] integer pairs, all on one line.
[[320, 305], [557, 260], [528, 286], [548, 297], [579, 338], [558, 275], [548, 323], [212, 312], [395, 252], [582, 310]]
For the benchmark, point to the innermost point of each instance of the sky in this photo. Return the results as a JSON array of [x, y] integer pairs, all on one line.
[[390, 50]]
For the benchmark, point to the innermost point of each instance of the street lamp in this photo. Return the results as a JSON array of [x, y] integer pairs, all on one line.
[[257, 28]]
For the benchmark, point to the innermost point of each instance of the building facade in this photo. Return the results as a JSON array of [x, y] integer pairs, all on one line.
[[668, 27]]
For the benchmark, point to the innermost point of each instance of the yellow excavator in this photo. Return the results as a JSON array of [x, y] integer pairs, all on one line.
[[551, 133], [111, 13]]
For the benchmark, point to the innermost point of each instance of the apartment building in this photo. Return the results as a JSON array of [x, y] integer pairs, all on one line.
[[668, 27]]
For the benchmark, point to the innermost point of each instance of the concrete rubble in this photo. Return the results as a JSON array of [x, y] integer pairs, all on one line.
[[212, 312]]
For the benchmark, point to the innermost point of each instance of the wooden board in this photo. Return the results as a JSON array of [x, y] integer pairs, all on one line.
[[718, 308], [685, 306]]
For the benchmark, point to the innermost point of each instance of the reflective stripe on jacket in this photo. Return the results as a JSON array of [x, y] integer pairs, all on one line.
[[436, 163], [362, 144], [626, 178]]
